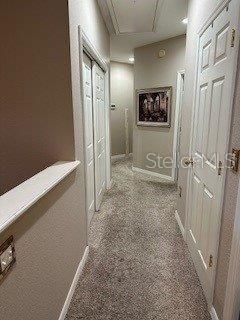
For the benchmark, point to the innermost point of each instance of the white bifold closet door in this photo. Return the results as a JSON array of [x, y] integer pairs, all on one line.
[[88, 131], [99, 133]]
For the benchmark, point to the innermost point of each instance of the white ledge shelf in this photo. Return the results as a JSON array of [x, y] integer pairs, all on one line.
[[19, 199]]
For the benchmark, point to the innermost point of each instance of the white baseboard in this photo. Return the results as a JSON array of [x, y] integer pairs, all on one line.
[[181, 227], [111, 184], [153, 174], [213, 313], [74, 284], [118, 157]]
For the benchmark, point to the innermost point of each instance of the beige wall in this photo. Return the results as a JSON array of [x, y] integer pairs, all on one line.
[[198, 12], [50, 239], [150, 72], [87, 15], [36, 106], [122, 82], [44, 126]]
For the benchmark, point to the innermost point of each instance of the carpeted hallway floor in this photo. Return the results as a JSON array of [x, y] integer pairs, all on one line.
[[139, 266]]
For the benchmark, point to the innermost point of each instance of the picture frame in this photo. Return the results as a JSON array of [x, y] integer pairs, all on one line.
[[153, 107]]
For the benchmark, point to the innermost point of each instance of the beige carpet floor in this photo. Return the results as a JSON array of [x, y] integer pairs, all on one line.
[[139, 266]]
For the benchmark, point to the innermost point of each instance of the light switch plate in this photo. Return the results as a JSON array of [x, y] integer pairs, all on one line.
[[7, 256]]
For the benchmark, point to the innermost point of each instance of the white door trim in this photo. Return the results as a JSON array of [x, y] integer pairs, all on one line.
[[86, 45], [208, 22], [92, 51], [229, 312], [108, 132], [96, 56], [176, 123]]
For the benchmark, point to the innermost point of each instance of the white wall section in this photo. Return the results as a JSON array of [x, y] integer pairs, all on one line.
[[152, 72], [122, 95]]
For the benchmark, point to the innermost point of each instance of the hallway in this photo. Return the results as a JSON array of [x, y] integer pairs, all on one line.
[[138, 266]]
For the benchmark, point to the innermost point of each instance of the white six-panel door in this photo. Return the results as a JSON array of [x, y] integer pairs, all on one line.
[[88, 128], [99, 133], [211, 127]]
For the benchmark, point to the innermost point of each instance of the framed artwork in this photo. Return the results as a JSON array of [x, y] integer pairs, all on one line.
[[154, 107]]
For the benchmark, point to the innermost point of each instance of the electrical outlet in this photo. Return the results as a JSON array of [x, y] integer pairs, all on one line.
[[7, 256]]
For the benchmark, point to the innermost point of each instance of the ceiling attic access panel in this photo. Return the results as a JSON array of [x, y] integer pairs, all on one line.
[[133, 16]]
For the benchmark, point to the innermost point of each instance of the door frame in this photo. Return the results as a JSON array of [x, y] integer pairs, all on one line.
[[178, 111], [207, 23], [85, 45], [233, 282]]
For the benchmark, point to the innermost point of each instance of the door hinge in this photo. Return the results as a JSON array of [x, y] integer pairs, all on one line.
[[180, 191], [233, 38], [220, 167], [210, 261]]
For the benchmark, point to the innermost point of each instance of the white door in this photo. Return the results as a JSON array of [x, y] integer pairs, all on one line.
[[99, 133], [210, 140], [88, 130]]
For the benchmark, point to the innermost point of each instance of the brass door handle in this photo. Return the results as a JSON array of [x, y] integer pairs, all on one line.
[[189, 162]]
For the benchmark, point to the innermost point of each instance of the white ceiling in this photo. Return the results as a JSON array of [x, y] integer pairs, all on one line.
[[134, 23]]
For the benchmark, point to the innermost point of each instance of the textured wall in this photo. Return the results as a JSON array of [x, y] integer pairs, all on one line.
[[122, 82], [36, 107], [150, 72], [50, 238], [198, 12], [87, 15]]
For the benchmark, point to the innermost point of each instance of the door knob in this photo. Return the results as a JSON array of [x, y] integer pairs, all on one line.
[[189, 162]]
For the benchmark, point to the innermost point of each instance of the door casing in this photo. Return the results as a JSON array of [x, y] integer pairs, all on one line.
[[178, 111], [86, 45], [232, 300]]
